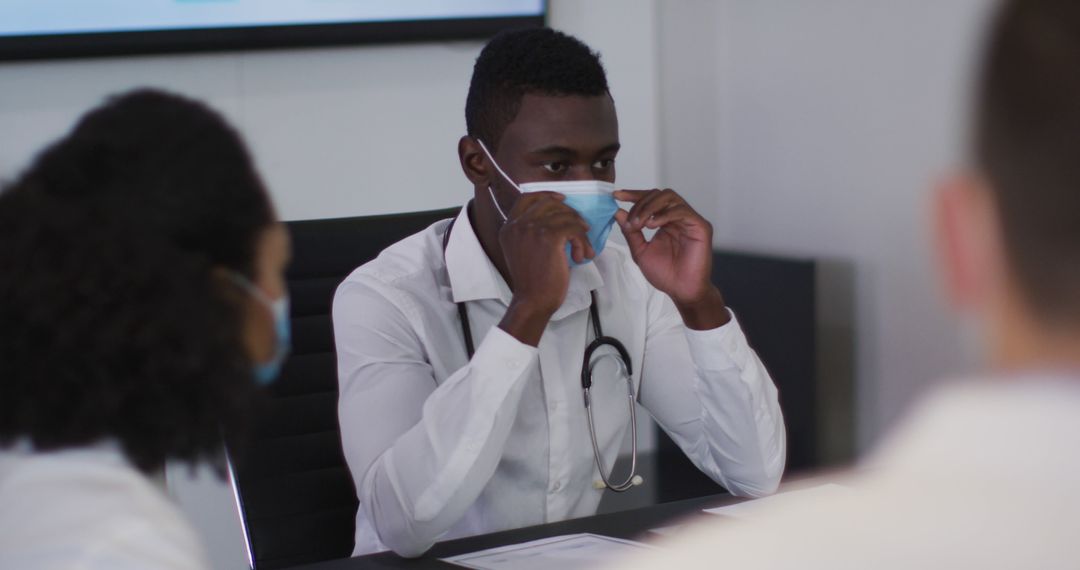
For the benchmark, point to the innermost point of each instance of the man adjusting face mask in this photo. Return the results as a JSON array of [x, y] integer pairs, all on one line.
[[485, 382], [593, 199]]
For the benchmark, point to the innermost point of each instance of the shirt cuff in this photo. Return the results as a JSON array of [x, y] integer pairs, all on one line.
[[722, 348], [500, 354]]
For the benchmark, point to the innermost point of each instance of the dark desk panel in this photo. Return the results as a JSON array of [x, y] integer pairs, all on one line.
[[632, 524]]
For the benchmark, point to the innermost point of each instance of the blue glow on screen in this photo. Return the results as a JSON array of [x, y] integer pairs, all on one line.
[[45, 17]]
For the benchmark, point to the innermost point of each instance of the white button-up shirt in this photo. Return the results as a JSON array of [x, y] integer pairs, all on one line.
[[442, 447], [88, 508], [984, 474]]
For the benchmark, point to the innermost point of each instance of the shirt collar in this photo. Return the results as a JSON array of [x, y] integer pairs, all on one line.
[[473, 277]]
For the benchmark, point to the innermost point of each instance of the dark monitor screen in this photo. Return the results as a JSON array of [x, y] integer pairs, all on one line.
[[33, 29]]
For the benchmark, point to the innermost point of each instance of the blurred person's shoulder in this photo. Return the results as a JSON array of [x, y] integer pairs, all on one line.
[[88, 508], [981, 474], [993, 427]]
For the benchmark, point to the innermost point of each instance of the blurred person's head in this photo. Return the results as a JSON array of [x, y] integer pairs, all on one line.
[[1009, 228], [140, 257]]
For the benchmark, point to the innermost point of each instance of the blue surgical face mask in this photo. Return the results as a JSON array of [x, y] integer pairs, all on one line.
[[266, 372], [592, 199]]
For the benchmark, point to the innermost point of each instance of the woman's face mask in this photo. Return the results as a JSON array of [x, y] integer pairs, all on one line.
[[592, 199], [266, 372]]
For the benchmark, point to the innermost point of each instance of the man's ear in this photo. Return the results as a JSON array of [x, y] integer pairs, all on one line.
[[472, 161], [969, 246]]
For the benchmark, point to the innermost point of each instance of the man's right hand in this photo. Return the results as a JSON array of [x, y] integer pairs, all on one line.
[[533, 243]]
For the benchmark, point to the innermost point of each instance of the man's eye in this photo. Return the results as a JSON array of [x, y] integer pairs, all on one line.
[[555, 167], [604, 164]]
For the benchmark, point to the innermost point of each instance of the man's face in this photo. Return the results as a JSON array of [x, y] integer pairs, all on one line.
[[555, 138]]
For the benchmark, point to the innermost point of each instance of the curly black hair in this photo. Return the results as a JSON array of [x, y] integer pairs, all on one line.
[[118, 320], [533, 60], [165, 162]]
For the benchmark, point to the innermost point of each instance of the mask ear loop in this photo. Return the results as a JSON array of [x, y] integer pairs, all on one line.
[[246, 284], [507, 178], [496, 202]]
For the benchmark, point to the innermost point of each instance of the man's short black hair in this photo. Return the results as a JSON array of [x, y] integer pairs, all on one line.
[[1028, 145], [535, 60]]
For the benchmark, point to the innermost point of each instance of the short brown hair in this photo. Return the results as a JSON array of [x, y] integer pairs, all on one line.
[[1027, 142]]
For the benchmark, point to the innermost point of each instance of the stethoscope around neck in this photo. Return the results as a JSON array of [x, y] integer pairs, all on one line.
[[599, 342]]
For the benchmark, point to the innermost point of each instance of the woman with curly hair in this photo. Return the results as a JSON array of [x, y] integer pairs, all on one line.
[[142, 301]]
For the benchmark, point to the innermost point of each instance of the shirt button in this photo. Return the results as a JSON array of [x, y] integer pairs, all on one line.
[[557, 486]]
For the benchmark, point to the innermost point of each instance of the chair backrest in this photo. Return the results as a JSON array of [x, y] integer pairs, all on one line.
[[294, 489]]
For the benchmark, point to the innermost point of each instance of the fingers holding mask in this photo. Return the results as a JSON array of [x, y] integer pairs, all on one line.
[[526, 205], [580, 247], [541, 222], [671, 214], [534, 243], [635, 239], [647, 204]]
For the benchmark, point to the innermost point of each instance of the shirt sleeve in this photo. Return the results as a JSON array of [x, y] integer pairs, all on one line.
[[420, 453], [709, 391]]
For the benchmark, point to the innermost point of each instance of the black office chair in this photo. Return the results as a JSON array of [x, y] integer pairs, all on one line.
[[294, 491]]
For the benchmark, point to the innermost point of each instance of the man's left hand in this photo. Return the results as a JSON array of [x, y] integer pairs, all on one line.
[[678, 259]]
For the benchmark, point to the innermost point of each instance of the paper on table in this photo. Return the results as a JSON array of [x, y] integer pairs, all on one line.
[[569, 552], [747, 510]]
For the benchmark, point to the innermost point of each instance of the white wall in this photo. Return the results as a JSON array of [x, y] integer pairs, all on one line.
[[336, 132], [341, 131], [818, 128]]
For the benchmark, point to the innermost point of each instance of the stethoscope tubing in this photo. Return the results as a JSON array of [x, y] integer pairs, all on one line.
[[586, 383]]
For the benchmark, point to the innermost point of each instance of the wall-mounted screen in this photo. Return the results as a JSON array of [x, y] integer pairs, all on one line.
[[31, 29]]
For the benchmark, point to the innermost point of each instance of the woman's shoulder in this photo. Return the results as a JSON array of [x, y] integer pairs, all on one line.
[[88, 507]]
